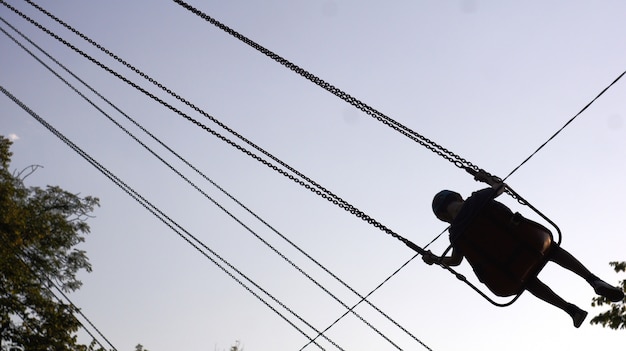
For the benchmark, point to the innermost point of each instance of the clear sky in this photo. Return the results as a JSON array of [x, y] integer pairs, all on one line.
[[489, 80]]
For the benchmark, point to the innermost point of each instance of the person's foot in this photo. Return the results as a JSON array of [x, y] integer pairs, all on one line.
[[578, 316], [610, 292]]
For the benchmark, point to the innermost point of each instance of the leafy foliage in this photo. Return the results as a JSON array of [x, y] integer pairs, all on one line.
[[236, 347], [615, 317], [39, 231]]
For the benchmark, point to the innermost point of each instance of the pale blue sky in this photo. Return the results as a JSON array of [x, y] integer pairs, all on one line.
[[489, 80]]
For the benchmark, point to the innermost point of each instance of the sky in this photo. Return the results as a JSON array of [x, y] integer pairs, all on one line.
[[488, 80]]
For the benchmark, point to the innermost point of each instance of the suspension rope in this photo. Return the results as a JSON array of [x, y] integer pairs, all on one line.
[[566, 124], [173, 169], [179, 230]]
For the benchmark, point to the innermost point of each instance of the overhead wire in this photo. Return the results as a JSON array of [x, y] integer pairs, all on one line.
[[75, 309], [177, 228], [565, 125], [191, 183], [80, 312], [351, 309], [364, 298]]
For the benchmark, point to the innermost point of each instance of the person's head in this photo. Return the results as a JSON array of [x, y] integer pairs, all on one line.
[[445, 205]]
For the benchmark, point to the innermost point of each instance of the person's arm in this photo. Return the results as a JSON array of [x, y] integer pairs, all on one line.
[[496, 183], [499, 188], [454, 259]]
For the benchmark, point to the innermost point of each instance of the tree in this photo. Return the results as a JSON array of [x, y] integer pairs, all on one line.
[[615, 317], [39, 231], [236, 347]]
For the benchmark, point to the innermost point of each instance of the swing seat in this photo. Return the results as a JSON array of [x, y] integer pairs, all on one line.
[[505, 250]]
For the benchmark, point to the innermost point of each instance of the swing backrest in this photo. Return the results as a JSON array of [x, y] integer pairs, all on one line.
[[504, 249]]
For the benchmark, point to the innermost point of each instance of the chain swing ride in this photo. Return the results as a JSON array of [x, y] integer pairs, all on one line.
[[529, 257]]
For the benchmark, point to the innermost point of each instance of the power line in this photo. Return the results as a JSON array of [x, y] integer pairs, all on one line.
[[565, 125], [47, 279], [80, 312], [84, 317], [179, 230], [364, 298], [180, 174]]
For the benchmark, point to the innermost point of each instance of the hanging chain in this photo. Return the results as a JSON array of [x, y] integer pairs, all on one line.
[[429, 144]]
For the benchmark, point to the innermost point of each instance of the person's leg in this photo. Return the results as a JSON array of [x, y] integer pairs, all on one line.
[[543, 292], [564, 259]]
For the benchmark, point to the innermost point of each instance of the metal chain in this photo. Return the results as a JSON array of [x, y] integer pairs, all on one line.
[[406, 131]]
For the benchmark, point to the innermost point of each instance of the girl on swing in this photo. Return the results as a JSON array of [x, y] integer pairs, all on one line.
[[506, 250]]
